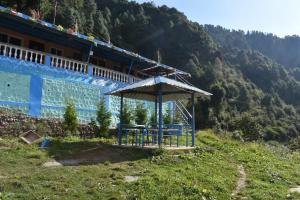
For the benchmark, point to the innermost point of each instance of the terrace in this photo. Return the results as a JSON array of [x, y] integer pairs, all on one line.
[[39, 57]]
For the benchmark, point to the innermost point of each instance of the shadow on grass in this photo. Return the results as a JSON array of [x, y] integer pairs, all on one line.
[[92, 152]]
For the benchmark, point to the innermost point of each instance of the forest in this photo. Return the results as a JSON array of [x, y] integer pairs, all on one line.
[[254, 76]]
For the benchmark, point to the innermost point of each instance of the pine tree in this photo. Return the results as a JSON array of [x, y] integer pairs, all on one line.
[[103, 119], [153, 122], [127, 116], [70, 118], [90, 10], [167, 118], [100, 28], [140, 114]]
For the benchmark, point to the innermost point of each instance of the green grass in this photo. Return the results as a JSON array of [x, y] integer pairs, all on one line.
[[210, 171]]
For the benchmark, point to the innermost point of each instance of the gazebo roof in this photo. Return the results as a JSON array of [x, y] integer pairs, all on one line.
[[148, 89]]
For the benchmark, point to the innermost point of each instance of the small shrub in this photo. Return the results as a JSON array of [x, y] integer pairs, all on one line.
[[158, 152], [106, 163], [295, 143], [70, 118], [237, 135]]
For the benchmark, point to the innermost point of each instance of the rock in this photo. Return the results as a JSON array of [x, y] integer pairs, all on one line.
[[295, 190], [52, 164], [131, 178]]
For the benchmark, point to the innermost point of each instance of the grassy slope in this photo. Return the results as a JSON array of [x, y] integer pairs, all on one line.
[[210, 172]]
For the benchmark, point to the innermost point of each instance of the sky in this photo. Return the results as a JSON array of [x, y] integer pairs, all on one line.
[[280, 17]]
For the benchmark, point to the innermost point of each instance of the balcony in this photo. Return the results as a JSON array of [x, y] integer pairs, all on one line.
[[29, 55]]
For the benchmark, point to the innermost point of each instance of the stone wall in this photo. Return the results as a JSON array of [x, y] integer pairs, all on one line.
[[15, 123]]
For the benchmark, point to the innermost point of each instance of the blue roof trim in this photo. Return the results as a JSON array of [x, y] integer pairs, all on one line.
[[96, 42]]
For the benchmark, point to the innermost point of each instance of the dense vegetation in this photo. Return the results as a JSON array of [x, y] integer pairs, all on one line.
[[210, 171], [253, 95]]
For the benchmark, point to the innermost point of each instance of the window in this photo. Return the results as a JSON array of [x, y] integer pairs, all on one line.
[[93, 61], [55, 51], [3, 38], [36, 45], [15, 41], [101, 63], [9, 39], [77, 56]]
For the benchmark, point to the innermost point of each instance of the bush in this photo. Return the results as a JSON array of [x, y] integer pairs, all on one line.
[[140, 114], [295, 144], [250, 127], [70, 118], [103, 119]]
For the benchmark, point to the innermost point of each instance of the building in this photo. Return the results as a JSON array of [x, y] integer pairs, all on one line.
[[42, 65]]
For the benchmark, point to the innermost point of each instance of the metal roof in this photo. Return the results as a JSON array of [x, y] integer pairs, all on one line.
[[148, 89], [97, 43]]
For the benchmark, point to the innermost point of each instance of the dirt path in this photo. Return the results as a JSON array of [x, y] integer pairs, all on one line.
[[241, 184]]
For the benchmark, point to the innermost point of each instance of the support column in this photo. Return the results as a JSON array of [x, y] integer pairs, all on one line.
[[155, 114], [160, 118], [121, 121], [90, 70], [193, 119], [35, 97], [48, 60]]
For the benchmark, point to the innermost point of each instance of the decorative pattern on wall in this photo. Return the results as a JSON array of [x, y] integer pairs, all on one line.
[[41, 91]]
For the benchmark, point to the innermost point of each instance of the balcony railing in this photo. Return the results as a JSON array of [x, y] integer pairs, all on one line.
[[21, 53], [69, 64]]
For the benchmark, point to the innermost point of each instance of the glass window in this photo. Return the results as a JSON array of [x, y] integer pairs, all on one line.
[[55, 51]]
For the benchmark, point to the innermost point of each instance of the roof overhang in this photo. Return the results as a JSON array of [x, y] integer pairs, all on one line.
[[41, 29]]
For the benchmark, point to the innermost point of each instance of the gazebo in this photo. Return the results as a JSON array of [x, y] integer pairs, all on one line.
[[159, 89]]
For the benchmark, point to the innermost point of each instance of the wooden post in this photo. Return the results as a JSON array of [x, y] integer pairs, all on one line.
[[121, 121], [193, 120], [160, 118]]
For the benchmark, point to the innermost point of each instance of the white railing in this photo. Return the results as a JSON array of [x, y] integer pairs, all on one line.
[[22, 53], [64, 63], [69, 64], [113, 75]]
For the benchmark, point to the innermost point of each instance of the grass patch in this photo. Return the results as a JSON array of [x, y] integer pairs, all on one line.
[[209, 171]]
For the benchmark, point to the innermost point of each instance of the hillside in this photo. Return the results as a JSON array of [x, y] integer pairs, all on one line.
[[282, 50], [253, 95], [211, 171]]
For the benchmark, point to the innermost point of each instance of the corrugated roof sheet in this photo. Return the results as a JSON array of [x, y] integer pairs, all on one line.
[[147, 89]]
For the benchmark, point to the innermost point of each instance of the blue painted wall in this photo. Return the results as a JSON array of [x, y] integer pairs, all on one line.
[[41, 91]]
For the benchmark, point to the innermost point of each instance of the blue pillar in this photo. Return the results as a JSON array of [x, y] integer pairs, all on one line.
[[90, 70], [48, 60], [193, 119], [160, 118], [155, 111], [35, 99], [121, 121]]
